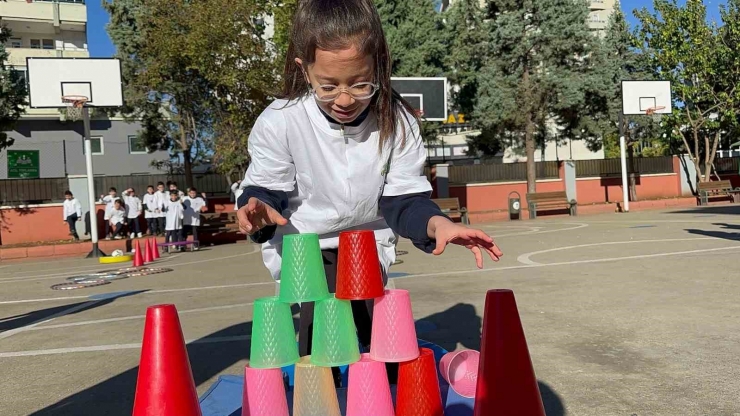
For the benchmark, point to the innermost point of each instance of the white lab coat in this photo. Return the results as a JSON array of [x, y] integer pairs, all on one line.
[[133, 205], [117, 216], [174, 215], [153, 204], [109, 201], [72, 206], [192, 210], [162, 199]]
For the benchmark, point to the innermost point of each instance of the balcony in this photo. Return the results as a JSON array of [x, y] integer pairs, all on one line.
[[18, 55], [602, 5], [61, 13]]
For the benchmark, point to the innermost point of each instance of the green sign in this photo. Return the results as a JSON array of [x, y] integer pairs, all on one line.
[[23, 164]]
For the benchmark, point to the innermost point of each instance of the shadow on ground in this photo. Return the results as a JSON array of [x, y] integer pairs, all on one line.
[[727, 235], [17, 321], [115, 396], [711, 210]]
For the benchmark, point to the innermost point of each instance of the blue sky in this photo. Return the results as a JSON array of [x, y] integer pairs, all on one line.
[[100, 45]]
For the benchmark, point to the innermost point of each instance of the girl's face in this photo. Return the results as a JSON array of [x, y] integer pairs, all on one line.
[[343, 69]]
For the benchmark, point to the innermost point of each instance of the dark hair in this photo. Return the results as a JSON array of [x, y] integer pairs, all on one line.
[[174, 192], [68, 193], [117, 201], [169, 183], [193, 189], [173, 183], [133, 190], [160, 183], [149, 186], [339, 24], [112, 189]]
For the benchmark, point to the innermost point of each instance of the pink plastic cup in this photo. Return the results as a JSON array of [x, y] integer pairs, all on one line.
[[393, 333], [460, 370], [369, 393], [264, 392]]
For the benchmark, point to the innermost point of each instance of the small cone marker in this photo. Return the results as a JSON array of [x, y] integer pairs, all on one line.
[[155, 249], [148, 258], [138, 259], [507, 384], [165, 385]]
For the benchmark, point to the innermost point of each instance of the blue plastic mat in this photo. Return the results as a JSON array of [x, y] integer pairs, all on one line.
[[224, 398]]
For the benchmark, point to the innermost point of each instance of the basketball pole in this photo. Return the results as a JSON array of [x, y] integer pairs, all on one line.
[[623, 157], [90, 186]]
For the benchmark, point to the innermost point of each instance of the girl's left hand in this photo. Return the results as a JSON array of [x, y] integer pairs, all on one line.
[[446, 232]]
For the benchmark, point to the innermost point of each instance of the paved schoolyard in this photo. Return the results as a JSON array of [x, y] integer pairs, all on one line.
[[625, 314]]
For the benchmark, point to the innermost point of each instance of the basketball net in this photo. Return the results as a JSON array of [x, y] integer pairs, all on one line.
[[652, 112], [74, 107]]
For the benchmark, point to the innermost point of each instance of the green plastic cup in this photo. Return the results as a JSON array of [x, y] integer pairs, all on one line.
[[334, 334], [273, 335], [302, 276]]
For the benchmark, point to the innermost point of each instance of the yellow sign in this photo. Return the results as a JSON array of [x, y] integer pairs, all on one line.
[[460, 119]]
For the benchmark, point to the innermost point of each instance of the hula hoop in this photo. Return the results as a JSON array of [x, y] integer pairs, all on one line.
[[119, 259], [74, 286]]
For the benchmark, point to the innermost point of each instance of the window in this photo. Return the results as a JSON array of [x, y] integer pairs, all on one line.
[[96, 144], [19, 72], [136, 145], [35, 44], [48, 43], [16, 43]]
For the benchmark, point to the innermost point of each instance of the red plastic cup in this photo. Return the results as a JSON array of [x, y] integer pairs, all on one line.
[[358, 270], [460, 370], [418, 387], [165, 384], [264, 392], [507, 384]]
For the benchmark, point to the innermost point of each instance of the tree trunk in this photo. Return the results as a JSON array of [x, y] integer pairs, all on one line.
[[631, 171], [529, 144], [700, 177], [188, 165]]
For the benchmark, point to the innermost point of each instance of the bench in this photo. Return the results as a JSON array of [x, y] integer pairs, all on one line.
[[715, 189], [451, 207], [218, 222], [542, 201], [169, 246]]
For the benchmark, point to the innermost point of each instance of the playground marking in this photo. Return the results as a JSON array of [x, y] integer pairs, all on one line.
[[576, 226], [115, 347], [526, 258], [134, 317], [72, 270], [149, 292], [59, 275]]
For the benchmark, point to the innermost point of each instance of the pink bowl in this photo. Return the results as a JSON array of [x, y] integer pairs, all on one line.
[[460, 370]]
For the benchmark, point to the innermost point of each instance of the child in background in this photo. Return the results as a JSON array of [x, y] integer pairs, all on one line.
[[193, 205], [175, 214], [173, 187], [108, 200], [151, 210], [133, 211], [72, 213], [163, 198], [116, 219]]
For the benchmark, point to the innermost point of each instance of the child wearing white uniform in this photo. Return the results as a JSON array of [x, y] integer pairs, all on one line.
[[133, 211], [193, 205], [72, 213], [163, 198], [109, 202], [116, 218], [174, 213], [151, 210]]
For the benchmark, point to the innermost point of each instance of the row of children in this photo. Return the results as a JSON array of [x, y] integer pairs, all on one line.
[[166, 212]]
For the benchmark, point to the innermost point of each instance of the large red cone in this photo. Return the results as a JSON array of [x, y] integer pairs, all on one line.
[[506, 381], [138, 259], [155, 249], [165, 385], [148, 257]]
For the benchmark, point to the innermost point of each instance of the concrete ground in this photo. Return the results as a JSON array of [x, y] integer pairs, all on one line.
[[625, 314]]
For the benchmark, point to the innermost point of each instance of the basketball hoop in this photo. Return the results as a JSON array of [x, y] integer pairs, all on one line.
[[652, 111], [75, 103]]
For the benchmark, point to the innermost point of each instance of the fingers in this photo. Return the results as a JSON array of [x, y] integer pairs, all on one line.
[[478, 256], [242, 215], [440, 247]]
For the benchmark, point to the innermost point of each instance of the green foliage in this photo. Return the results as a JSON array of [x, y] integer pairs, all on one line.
[[283, 12], [416, 37], [464, 59], [701, 60], [12, 93], [537, 69]]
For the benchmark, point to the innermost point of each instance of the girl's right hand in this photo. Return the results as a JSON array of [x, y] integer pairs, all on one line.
[[257, 215]]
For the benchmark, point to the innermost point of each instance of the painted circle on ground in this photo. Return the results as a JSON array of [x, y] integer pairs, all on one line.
[[74, 286]]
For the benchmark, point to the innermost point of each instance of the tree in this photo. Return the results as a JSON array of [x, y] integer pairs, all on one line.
[[532, 79], [701, 61], [464, 60], [416, 37], [12, 93]]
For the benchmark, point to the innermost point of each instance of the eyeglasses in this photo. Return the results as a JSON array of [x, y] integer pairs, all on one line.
[[359, 91]]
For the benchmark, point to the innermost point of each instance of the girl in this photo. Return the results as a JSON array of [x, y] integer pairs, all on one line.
[[174, 213], [116, 218], [151, 210], [341, 150]]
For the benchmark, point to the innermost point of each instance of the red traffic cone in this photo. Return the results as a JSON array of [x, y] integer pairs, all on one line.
[[506, 381], [165, 383], [147, 252], [138, 259], [155, 249]]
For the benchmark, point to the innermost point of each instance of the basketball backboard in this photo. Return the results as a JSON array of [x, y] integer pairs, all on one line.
[[427, 95], [98, 79], [640, 96]]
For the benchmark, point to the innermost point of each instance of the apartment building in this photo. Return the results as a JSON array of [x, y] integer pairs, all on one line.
[[58, 28]]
